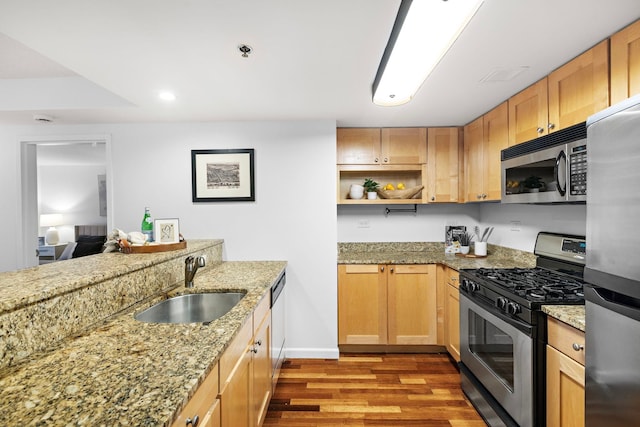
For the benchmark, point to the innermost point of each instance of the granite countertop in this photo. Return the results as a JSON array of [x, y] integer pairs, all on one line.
[[128, 372], [430, 253], [572, 315]]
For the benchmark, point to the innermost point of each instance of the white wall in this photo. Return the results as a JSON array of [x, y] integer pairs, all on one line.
[[361, 223], [357, 223], [292, 219]]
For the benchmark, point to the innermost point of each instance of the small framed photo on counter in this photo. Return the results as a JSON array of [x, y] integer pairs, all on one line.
[[166, 230], [222, 175]]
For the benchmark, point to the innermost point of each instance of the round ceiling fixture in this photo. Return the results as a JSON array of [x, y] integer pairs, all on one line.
[[245, 50]]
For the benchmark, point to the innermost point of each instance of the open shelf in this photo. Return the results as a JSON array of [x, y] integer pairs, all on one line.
[[410, 175]]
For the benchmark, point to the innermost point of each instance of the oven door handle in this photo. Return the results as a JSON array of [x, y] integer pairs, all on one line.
[[516, 323]]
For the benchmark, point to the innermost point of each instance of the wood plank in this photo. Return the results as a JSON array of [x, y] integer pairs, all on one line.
[[371, 390]]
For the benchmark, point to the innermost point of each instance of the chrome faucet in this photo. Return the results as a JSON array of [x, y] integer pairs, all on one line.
[[191, 265]]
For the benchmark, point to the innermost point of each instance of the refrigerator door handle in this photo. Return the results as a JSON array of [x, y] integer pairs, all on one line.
[[562, 158], [615, 301]]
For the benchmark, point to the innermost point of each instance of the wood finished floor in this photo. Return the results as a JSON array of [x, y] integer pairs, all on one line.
[[371, 390]]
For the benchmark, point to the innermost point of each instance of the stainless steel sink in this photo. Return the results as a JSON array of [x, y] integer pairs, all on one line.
[[191, 308]]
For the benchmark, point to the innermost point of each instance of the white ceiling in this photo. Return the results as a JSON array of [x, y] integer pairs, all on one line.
[[105, 61]]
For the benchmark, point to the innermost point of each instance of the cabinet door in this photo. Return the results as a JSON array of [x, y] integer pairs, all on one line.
[[528, 113], [236, 394], [358, 146], [473, 134], [452, 321], [625, 63], [261, 366], [565, 390], [362, 304], [444, 159], [495, 139], [412, 313], [579, 88], [404, 146]]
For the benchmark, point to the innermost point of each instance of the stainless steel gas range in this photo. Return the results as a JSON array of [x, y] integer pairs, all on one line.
[[503, 330]]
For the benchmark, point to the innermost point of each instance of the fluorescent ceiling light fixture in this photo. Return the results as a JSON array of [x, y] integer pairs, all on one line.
[[423, 32], [167, 96]]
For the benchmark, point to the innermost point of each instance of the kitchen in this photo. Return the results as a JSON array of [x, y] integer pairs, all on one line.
[[282, 192]]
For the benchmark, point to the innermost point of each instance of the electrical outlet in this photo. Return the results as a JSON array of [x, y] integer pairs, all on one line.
[[515, 225], [364, 223]]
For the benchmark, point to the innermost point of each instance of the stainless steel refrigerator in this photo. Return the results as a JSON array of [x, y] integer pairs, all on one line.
[[612, 385]]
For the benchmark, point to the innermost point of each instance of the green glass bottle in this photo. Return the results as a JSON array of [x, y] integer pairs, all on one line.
[[147, 225]]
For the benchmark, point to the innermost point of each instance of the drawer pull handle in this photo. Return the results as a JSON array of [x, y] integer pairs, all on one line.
[[577, 347], [193, 422]]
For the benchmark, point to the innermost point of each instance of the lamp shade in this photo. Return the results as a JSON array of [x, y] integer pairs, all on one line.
[[50, 220]]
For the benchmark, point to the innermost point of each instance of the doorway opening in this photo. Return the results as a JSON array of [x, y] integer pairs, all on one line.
[[78, 200]]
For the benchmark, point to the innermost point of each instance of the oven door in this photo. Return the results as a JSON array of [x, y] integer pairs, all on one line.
[[498, 351]]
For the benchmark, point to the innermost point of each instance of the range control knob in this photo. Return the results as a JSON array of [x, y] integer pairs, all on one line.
[[501, 303], [513, 308]]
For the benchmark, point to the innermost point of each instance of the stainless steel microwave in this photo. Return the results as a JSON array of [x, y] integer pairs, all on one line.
[[549, 169]]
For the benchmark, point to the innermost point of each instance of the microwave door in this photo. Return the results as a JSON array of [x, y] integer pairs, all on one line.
[[545, 167]]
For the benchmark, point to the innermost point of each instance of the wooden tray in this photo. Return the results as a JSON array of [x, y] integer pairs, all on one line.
[[470, 255], [149, 249]]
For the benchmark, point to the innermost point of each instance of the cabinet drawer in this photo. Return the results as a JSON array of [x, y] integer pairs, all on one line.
[[202, 402], [47, 251], [566, 339], [261, 310]]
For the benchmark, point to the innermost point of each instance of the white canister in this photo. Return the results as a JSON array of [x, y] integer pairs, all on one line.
[[356, 191], [480, 248]]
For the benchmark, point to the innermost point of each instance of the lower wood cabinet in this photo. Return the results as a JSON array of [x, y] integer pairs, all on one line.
[[245, 372], [452, 313], [565, 375], [387, 304]]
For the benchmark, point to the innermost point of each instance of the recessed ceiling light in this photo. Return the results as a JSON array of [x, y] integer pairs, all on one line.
[[167, 96]]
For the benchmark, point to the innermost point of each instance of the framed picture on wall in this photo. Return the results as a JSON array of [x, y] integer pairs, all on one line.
[[166, 230], [222, 175]]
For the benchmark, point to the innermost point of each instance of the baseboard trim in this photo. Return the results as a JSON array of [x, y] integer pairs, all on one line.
[[374, 348], [312, 353]]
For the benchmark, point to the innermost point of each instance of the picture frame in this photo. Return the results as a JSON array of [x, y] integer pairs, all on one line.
[[166, 230], [222, 175]]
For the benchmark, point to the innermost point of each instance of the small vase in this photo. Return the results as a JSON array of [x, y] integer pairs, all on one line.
[[480, 248], [372, 195], [356, 191], [464, 250]]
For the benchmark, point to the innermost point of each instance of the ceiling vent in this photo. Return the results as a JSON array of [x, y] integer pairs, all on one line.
[[503, 74], [42, 118]]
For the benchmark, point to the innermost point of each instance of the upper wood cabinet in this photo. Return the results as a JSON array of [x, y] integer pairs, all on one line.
[[484, 138], [625, 63], [358, 146], [567, 96], [528, 113], [386, 146], [445, 154], [579, 88], [404, 146]]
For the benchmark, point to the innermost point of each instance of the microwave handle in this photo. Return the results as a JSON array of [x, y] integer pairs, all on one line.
[[561, 157]]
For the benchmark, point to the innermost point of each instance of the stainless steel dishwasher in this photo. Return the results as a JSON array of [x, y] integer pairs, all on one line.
[[277, 326]]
